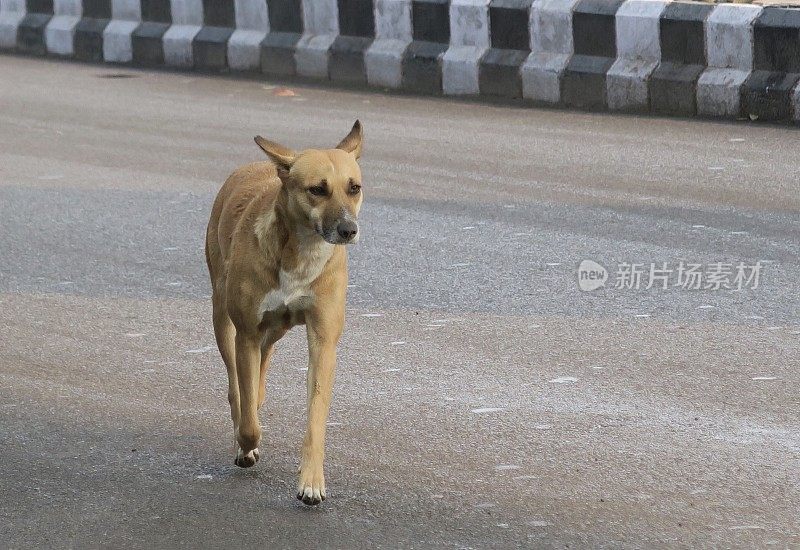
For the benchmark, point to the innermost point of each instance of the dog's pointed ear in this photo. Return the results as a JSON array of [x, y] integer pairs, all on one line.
[[280, 155], [352, 142]]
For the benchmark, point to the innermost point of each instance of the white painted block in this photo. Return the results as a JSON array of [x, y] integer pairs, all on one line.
[[187, 20], [252, 26], [461, 70], [252, 15], [729, 51], [11, 13], [384, 62], [127, 10], [626, 84], [551, 49], [187, 12], [321, 24], [244, 50], [541, 76], [469, 40], [117, 43], [729, 36], [638, 54], [178, 45], [12, 6], [718, 92], [384, 58], [311, 55], [67, 7], [60, 31], [393, 20]]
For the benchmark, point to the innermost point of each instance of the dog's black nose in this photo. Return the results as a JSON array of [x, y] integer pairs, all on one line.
[[347, 229]]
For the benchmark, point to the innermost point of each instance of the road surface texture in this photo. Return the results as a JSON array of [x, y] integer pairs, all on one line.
[[482, 399]]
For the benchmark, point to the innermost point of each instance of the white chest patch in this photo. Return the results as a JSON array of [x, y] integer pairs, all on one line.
[[294, 286]]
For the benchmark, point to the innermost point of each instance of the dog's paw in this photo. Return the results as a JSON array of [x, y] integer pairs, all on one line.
[[243, 460], [311, 487]]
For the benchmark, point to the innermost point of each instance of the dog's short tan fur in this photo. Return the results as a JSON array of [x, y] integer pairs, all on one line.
[[276, 260]]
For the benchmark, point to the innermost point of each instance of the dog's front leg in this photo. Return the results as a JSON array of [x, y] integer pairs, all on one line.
[[248, 366], [323, 336]]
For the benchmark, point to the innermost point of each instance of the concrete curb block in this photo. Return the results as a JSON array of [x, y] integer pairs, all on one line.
[[12, 12], [594, 36], [661, 56], [673, 85], [321, 25], [356, 34], [187, 20], [422, 60], [769, 92], [59, 35], [285, 29], [510, 47], [31, 29], [383, 60], [551, 49], [469, 41], [147, 41], [252, 26], [117, 46], [638, 55], [729, 46], [88, 41]]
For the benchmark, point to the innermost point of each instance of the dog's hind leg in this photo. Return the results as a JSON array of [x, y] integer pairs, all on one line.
[[225, 333]]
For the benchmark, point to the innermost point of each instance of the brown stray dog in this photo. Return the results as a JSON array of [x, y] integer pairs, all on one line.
[[276, 260]]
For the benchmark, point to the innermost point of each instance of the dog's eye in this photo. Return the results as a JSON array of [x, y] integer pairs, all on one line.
[[318, 191], [355, 189]]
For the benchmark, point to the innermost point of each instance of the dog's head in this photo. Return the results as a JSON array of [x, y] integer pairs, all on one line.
[[323, 186]]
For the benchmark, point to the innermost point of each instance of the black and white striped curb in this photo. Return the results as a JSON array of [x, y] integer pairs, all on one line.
[[673, 57]]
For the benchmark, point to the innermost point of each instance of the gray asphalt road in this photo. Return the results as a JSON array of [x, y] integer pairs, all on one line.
[[482, 399]]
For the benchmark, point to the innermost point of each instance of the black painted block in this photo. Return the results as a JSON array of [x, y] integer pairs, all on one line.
[[509, 24], [157, 11], [768, 94], [422, 67], [30, 34], [683, 34], [673, 88], [147, 43], [285, 16], [594, 27], [346, 59], [39, 6], [583, 84], [356, 18], [88, 41], [96, 9], [210, 48], [430, 21], [277, 53], [498, 73], [776, 40], [219, 13]]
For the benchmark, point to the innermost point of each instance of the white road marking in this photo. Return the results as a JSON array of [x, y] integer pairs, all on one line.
[[564, 380], [483, 410]]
